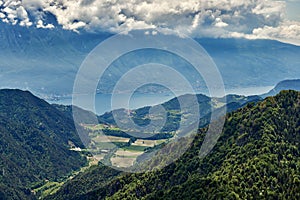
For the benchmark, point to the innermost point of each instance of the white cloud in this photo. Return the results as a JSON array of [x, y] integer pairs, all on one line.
[[34, 4], [23, 16], [40, 24], [214, 18], [220, 23], [286, 32]]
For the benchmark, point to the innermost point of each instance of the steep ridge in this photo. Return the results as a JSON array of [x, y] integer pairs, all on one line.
[[293, 84], [34, 144], [257, 156]]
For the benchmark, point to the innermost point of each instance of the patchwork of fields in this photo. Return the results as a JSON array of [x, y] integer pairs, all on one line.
[[117, 150]]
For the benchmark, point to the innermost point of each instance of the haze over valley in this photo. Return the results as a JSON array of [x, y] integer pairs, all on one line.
[[149, 99]]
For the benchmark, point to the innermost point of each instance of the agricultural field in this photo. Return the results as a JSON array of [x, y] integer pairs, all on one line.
[[119, 151], [147, 143], [125, 157], [104, 138]]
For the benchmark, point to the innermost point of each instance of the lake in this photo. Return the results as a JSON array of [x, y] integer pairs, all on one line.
[[103, 101]]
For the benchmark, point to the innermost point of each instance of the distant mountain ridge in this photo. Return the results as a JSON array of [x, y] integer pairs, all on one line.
[[46, 61], [284, 85], [174, 111]]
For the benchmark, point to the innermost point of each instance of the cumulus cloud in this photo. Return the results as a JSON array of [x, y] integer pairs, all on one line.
[[197, 18], [23, 16], [40, 24], [287, 32]]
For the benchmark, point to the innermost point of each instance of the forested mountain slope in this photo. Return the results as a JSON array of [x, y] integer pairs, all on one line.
[[34, 144], [256, 157]]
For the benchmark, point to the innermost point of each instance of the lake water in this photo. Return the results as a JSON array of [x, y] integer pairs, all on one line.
[[103, 101]]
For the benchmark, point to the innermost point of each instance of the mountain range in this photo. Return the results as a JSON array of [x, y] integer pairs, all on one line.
[[36, 139], [46, 62], [257, 156], [293, 84], [200, 145]]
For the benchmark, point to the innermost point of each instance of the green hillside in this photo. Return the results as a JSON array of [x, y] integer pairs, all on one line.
[[34, 144], [175, 113], [256, 157], [128, 146]]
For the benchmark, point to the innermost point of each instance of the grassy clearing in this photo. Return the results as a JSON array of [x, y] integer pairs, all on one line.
[[98, 127], [103, 138], [48, 188], [135, 148], [107, 146], [127, 153], [122, 162], [99, 157], [147, 143], [124, 157]]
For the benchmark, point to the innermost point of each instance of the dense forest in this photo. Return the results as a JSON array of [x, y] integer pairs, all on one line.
[[256, 157], [34, 144]]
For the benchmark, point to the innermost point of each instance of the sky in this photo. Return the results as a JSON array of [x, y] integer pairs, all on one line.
[[293, 10], [251, 19]]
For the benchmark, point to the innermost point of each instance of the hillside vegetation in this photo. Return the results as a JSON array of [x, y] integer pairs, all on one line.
[[256, 157], [34, 144]]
